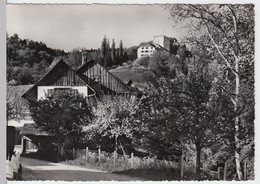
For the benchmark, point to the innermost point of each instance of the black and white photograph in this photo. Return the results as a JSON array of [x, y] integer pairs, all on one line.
[[130, 92]]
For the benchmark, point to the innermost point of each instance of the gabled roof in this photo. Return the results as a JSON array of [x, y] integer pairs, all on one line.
[[52, 76], [91, 63], [156, 46], [147, 45]]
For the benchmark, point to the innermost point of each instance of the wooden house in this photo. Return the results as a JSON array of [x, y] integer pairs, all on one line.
[[60, 78], [91, 80]]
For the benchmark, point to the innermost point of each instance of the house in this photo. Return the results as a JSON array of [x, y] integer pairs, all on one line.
[[160, 42], [60, 78], [145, 50], [91, 80], [165, 42]]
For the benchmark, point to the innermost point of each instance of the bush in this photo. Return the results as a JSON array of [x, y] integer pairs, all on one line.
[[122, 163]]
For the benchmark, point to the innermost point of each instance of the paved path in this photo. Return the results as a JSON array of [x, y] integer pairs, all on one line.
[[34, 169]]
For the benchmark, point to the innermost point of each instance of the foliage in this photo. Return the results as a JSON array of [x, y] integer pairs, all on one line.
[[229, 35], [182, 103], [113, 119], [142, 165], [62, 114], [9, 111], [17, 107], [27, 60]]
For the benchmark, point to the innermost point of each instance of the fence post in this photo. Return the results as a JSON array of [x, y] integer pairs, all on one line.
[[86, 153], [225, 171], [115, 157], [73, 153], [182, 166], [99, 154], [219, 173], [132, 160], [245, 170]]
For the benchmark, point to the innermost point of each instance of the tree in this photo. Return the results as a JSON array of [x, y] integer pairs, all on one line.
[[103, 50], [107, 61], [182, 104], [62, 114], [113, 52], [9, 111], [113, 119], [121, 52], [230, 32], [24, 54]]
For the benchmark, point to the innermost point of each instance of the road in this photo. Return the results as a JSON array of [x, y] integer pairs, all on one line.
[[34, 169]]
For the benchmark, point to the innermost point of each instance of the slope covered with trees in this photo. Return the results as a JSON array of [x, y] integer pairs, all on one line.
[[27, 60]]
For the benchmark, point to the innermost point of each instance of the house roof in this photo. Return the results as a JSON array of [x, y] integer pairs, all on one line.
[[85, 67], [156, 46], [32, 129], [55, 72], [147, 44]]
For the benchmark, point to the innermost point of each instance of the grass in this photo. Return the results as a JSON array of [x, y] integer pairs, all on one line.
[[125, 74], [146, 168]]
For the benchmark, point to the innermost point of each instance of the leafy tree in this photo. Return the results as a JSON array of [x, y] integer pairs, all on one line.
[[114, 119], [23, 56], [113, 52], [103, 50], [183, 103], [107, 61], [230, 34], [62, 114], [9, 111], [121, 52]]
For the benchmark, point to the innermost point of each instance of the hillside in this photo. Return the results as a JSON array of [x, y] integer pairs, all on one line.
[[126, 74], [28, 60]]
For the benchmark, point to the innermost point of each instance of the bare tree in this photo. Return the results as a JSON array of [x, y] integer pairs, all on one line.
[[230, 32]]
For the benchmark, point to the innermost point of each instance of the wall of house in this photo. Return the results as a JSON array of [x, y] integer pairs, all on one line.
[[163, 41], [159, 40], [42, 90], [145, 51]]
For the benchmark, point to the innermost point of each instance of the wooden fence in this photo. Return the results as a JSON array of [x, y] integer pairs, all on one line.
[[134, 162]]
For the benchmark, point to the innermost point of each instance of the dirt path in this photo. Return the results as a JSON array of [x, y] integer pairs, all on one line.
[[34, 169]]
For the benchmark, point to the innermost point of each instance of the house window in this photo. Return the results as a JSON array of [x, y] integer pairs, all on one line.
[[142, 51], [62, 90], [146, 47]]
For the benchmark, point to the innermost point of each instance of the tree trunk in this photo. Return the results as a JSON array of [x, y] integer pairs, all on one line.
[[122, 148], [116, 144], [198, 165], [237, 145], [61, 152]]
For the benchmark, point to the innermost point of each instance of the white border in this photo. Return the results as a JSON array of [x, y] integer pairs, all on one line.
[[3, 75]]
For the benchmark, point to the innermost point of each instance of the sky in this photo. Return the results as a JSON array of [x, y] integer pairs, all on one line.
[[71, 26]]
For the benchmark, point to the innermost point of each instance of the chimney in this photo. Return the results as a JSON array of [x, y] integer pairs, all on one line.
[[83, 58]]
